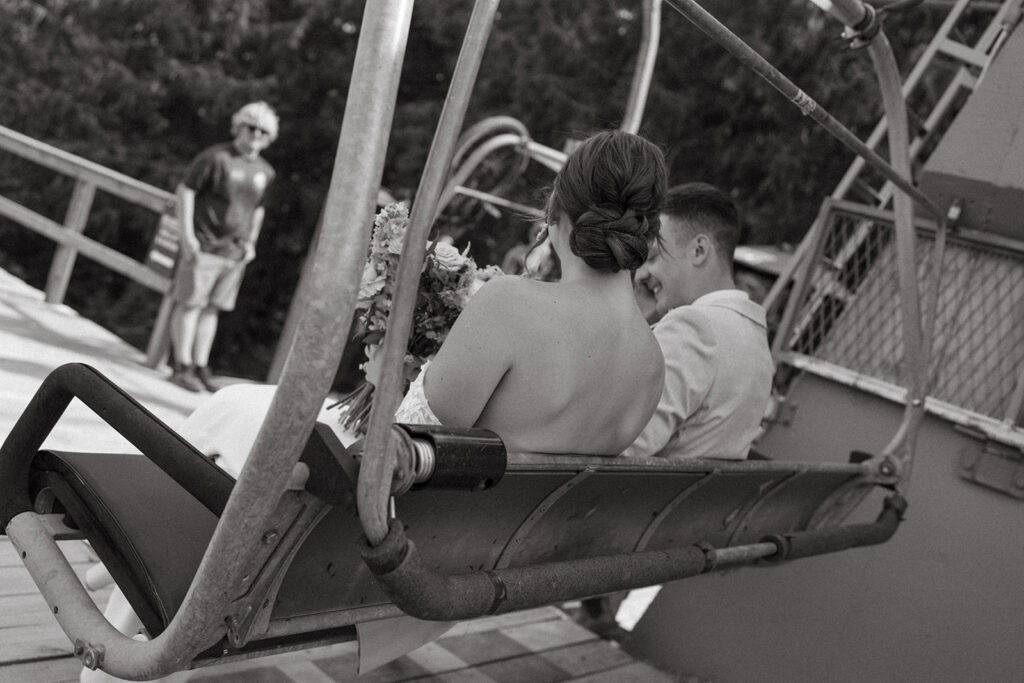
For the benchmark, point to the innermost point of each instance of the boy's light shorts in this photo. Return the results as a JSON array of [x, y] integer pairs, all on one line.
[[207, 280]]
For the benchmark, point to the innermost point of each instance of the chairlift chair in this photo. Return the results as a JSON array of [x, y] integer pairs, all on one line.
[[436, 523]]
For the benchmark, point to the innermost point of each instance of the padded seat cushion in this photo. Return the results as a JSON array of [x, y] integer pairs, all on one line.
[[149, 531]]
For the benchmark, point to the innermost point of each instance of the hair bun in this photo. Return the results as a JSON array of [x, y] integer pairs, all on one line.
[[611, 189], [611, 239]]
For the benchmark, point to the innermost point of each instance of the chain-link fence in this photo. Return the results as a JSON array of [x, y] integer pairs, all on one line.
[[851, 314]]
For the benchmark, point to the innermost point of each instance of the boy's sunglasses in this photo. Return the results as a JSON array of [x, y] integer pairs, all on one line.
[[256, 129]]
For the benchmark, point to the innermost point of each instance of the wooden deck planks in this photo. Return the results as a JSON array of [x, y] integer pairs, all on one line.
[[28, 631], [60, 670]]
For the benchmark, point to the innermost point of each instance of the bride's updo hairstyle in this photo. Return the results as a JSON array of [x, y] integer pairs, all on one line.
[[611, 189]]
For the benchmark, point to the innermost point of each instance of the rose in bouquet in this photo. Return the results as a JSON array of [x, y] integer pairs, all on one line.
[[447, 281]]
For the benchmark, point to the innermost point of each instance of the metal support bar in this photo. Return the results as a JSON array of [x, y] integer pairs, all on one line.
[[500, 202], [859, 18], [796, 545], [1016, 402], [425, 594], [801, 276], [714, 29], [378, 464], [644, 70]]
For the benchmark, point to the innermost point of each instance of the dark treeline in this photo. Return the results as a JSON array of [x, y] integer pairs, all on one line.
[[142, 85]]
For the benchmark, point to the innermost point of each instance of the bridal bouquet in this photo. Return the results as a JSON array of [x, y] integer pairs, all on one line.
[[448, 279]]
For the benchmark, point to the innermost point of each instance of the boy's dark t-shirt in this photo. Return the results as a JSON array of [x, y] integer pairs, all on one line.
[[229, 187]]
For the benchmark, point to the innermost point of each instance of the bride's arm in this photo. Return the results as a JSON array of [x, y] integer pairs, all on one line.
[[476, 354]]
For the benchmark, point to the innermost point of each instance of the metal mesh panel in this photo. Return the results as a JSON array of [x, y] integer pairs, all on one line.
[[851, 315]]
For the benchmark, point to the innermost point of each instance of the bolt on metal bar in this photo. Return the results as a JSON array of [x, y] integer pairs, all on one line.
[[378, 464], [731, 42]]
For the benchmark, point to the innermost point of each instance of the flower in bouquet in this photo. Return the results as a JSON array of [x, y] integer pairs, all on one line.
[[447, 281]]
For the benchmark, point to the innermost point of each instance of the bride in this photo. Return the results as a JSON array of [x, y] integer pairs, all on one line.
[[556, 367], [553, 367], [568, 366]]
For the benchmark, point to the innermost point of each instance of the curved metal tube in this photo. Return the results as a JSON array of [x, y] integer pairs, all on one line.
[[916, 347], [465, 170], [507, 204], [119, 410], [489, 126], [915, 353], [552, 158], [644, 70], [727, 39], [426, 594], [379, 459]]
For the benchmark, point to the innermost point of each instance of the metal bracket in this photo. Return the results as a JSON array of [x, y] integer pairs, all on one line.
[[783, 412], [995, 466], [297, 514], [91, 655]]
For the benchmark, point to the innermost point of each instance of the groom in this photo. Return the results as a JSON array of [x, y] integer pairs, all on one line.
[[718, 369]]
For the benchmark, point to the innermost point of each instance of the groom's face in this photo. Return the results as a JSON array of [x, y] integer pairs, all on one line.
[[668, 273]]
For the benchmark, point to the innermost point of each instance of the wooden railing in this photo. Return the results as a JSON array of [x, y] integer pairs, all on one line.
[[90, 177]]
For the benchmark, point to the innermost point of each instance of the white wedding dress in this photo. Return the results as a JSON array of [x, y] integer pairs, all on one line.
[[414, 408]]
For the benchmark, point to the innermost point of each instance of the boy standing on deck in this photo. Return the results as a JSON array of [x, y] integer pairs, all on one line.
[[220, 213]]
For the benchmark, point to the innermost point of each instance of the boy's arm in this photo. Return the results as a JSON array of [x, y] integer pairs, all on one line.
[[257, 225], [189, 244]]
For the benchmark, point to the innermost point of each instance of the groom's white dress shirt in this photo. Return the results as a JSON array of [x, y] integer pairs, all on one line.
[[718, 376]]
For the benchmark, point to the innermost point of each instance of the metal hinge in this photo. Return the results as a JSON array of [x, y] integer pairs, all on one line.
[[995, 466]]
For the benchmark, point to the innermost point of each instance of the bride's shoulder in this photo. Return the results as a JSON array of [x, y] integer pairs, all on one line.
[[507, 294]]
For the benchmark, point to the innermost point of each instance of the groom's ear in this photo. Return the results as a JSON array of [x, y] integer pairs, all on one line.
[[700, 249]]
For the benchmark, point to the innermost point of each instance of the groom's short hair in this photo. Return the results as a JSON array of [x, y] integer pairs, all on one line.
[[703, 208]]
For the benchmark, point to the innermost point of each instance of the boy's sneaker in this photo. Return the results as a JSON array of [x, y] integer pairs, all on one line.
[[203, 374], [185, 377]]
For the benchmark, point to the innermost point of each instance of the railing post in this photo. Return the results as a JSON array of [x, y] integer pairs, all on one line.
[[64, 258], [159, 338]]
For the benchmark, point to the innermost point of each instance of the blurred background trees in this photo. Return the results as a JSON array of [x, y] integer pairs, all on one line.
[[142, 85]]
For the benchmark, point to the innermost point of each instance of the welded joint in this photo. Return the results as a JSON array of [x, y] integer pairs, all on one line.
[[91, 655], [863, 32], [389, 554], [710, 556], [782, 546], [500, 592]]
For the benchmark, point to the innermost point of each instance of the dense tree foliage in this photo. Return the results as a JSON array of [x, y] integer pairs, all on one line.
[[142, 85]]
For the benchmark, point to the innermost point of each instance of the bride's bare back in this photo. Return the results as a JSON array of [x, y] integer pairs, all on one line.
[[567, 367], [551, 367]]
